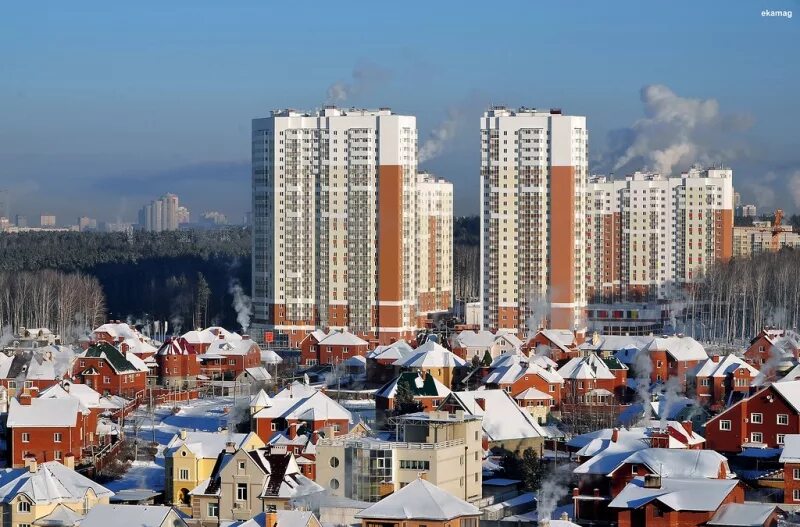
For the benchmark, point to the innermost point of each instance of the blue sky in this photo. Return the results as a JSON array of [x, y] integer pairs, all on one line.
[[105, 105]]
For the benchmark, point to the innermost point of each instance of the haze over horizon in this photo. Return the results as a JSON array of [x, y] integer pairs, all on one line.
[[106, 107]]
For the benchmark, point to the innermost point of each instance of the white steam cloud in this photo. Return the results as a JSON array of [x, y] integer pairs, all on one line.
[[676, 132], [440, 136], [643, 367], [553, 488], [366, 77], [241, 304]]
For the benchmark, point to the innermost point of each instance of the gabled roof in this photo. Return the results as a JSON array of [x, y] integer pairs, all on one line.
[[679, 348], [296, 390], [258, 373], [118, 362], [606, 455], [52, 482], [726, 366], [173, 347], [510, 374], [209, 335], [397, 350], [679, 463], [260, 399], [43, 413], [589, 367], [88, 397], [286, 518], [103, 515], [315, 407], [678, 494], [742, 515], [419, 500], [503, 419], [270, 357], [431, 355], [60, 517], [563, 339], [420, 386], [356, 361], [532, 394], [339, 338], [118, 330], [228, 347], [206, 445], [791, 449]]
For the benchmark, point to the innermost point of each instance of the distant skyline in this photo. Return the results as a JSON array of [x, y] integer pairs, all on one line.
[[107, 106]]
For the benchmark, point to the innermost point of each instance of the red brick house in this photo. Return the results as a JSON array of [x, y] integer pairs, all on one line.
[[108, 371], [760, 349], [674, 356], [716, 378], [764, 419], [592, 380], [468, 343], [334, 347], [227, 359], [790, 458], [294, 410], [48, 429], [653, 501], [39, 368], [515, 378], [199, 340], [562, 344], [177, 367]]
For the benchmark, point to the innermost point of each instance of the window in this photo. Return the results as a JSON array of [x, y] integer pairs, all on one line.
[[725, 425], [780, 438], [795, 494], [106, 380], [335, 462], [57, 437], [705, 381], [57, 455], [241, 465], [334, 484], [756, 437], [796, 473], [24, 506], [231, 362], [213, 509], [756, 418], [783, 419], [241, 492], [634, 469], [183, 474]]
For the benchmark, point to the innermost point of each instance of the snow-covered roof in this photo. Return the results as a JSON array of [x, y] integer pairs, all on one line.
[[173, 347], [679, 347], [43, 412], [508, 358], [431, 355], [589, 367], [206, 445], [606, 455], [103, 515], [296, 390], [356, 361], [434, 388], [676, 493], [286, 518], [209, 335], [789, 390], [562, 338], [260, 399], [61, 516], [136, 345], [679, 463], [742, 515], [419, 500], [791, 449], [503, 419], [88, 397], [225, 348], [316, 407], [397, 350], [724, 367], [617, 343], [118, 330], [270, 357], [532, 394], [258, 373], [510, 374], [473, 339], [338, 337], [137, 362], [52, 482]]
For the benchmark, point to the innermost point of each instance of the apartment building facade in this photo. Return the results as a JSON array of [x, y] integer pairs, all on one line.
[[649, 234], [336, 221], [434, 244], [534, 171]]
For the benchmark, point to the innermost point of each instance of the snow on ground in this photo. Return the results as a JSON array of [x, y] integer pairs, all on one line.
[[202, 414]]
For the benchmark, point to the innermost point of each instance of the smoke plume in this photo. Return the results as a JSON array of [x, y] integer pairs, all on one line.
[[553, 488], [676, 132], [643, 367], [366, 77], [63, 358], [7, 336], [241, 304], [539, 309], [438, 138], [672, 391]]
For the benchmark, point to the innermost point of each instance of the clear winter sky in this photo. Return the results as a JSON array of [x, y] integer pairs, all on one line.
[[106, 105]]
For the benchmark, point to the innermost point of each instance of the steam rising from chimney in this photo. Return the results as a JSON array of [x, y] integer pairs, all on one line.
[[241, 304]]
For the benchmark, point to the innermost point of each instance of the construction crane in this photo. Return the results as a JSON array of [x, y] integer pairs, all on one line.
[[776, 230]]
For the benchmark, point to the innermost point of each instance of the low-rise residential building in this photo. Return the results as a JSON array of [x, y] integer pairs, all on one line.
[[469, 343], [37, 368], [420, 503], [189, 459], [561, 344], [771, 344], [431, 357], [424, 388], [504, 423], [381, 360], [717, 378], [790, 459], [653, 501], [536, 403], [109, 371], [116, 332], [48, 429], [518, 376], [333, 347], [133, 516], [227, 358], [745, 515], [592, 380], [39, 492], [245, 483], [446, 447], [198, 341], [177, 366], [674, 356]]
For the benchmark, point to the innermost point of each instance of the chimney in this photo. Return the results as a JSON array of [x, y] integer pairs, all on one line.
[[687, 425], [69, 461], [575, 492], [182, 433], [30, 463], [652, 481], [564, 516], [230, 447], [480, 401], [715, 358], [614, 435], [272, 516], [25, 399], [34, 391], [245, 337]]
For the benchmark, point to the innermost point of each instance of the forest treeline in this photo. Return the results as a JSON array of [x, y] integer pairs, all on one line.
[[466, 257]]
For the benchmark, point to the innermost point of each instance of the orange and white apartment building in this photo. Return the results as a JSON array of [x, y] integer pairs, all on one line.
[[534, 172], [647, 232], [337, 224]]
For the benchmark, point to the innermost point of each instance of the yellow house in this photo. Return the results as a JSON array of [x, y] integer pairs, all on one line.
[[190, 458], [29, 495]]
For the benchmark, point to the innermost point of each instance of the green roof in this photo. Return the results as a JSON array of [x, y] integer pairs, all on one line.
[[428, 388], [114, 357]]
